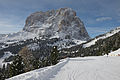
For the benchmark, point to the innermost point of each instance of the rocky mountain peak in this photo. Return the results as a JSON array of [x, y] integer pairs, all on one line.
[[62, 23]]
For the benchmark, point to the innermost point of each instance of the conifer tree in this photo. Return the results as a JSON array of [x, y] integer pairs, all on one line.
[[54, 56], [16, 67]]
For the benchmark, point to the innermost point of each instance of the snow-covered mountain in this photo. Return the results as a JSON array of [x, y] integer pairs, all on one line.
[[62, 23], [104, 36]]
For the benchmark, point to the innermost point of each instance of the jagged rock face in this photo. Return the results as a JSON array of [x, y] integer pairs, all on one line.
[[62, 23]]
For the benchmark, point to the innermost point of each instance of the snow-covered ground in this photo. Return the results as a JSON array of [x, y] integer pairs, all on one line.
[[87, 68]]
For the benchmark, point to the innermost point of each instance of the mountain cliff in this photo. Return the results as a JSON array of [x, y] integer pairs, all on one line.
[[62, 23]]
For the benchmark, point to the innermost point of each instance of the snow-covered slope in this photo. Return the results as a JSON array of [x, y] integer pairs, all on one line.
[[115, 53], [92, 42], [87, 68]]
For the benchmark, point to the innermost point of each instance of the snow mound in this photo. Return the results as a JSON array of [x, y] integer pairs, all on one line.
[[115, 53]]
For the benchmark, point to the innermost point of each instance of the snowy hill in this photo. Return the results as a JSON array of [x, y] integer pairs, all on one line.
[[109, 34], [87, 68]]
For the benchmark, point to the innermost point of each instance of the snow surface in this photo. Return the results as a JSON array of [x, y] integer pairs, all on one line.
[[87, 68], [103, 37], [6, 55]]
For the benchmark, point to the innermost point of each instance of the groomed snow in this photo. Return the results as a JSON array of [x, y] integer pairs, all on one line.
[[87, 68], [103, 37]]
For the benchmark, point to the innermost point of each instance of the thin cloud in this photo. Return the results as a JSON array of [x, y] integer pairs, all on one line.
[[10, 23], [103, 18], [95, 31]]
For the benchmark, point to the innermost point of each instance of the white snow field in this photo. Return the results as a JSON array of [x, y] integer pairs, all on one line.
[[87, 68]]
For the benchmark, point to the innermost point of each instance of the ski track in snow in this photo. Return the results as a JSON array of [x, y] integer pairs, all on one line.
[[101, 68], [87, 68]]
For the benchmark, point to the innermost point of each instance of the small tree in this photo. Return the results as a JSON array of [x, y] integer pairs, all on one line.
[[54, 56]]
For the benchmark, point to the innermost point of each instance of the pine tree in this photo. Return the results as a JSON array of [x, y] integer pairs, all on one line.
[[37, 64], [3, 71], [1, 74], [54, 56], [16, 67]]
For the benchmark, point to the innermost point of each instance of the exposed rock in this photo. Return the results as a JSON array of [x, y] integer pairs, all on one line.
[[62, 22]]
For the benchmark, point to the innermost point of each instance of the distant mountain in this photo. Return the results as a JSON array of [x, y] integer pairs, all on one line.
[[62, 23]]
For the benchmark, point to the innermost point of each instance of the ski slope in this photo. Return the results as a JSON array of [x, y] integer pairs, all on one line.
[[87, 68]]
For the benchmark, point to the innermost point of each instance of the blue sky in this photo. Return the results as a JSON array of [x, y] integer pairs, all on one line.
[[99, 16]]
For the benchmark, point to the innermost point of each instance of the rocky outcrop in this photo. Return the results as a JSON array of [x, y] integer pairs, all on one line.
[[62, 23]]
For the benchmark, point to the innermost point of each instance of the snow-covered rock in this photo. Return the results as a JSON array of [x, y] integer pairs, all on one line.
[[62, 23]]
